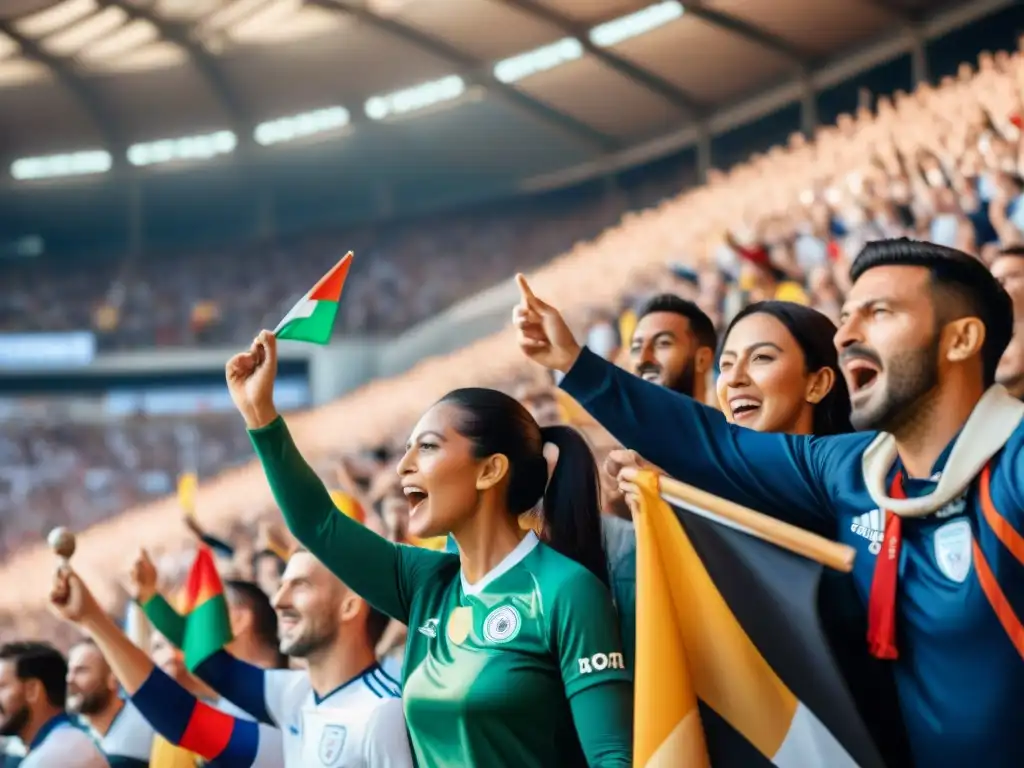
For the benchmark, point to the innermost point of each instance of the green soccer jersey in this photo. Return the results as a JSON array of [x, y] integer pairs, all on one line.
[[491, 668]]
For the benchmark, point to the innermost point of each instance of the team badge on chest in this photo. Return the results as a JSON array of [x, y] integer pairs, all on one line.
[[332, 742], [502, 624], [953, 544]]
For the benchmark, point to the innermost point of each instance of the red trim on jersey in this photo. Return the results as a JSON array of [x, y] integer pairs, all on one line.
[[882, 603], [208, 731]]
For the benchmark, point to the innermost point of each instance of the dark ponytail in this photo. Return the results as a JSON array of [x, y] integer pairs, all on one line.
[[572, 502], [498, 424]]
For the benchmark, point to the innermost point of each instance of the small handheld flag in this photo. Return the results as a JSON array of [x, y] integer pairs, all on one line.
[[207, 625], [312, 318]]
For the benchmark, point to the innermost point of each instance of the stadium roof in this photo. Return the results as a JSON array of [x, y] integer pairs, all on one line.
[[626, 79]]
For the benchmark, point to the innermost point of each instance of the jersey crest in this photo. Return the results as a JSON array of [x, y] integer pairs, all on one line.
[[953, 550], [502, 624], [332, 742]]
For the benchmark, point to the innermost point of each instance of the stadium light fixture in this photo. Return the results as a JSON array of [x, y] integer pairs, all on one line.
[[415, 99], [538, 60], [84, 163], [201, 147], [635, 24], [299, 126]]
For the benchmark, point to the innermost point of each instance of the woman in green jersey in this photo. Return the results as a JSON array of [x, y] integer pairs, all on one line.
[[513, 656]]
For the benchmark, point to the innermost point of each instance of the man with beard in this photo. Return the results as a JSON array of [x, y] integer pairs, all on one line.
[[929, 492], [94, 695], [32, 697], [673, 345], [343, 710]]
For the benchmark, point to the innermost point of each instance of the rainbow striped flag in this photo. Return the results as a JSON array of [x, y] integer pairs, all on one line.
[[207, 624]]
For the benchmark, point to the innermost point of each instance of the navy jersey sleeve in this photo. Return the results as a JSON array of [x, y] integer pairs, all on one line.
[[1007, 489], [240, 683], [183, 720], [780, 475]]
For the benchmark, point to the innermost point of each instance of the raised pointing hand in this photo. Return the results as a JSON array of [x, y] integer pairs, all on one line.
[[541, 332]]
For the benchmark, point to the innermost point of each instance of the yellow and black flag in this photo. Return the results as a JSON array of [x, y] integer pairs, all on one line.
[[732, 667]]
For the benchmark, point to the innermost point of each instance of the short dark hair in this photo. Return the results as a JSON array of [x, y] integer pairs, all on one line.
[[700, 323], [42, 662], [264, 618], [963, 280]]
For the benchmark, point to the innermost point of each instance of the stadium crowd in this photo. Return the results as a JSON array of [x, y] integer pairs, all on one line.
[[941, 164], [944, 164], [406, 272]]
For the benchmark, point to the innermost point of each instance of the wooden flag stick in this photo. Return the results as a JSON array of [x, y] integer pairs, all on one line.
[[804, 543]]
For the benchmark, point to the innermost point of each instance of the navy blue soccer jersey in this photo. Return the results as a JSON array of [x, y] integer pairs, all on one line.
[[960, 671]]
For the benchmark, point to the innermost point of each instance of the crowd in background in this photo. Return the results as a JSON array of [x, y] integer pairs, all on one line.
[[404, 273], [943, 164], [65, 473]]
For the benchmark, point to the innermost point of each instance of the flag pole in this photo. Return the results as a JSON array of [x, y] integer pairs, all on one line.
[[831, 554]]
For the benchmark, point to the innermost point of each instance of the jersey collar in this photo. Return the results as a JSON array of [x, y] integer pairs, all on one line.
[[49, 727], [318, 699], [511, 560]]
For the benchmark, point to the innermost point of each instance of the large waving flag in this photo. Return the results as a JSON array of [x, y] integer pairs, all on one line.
[[312, 318], [732, 668], [207, 624]]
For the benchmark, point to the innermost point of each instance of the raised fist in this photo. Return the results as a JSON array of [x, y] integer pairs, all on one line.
[[70, 599], [250, 376]]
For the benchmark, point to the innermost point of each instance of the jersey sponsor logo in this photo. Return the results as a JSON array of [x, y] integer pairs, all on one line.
[[870, 526], [953, 550], [599, 662], [332, 742], [502, 624], [430, 628]]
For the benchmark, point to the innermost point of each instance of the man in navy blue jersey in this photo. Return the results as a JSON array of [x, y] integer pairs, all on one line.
[[929, 492]]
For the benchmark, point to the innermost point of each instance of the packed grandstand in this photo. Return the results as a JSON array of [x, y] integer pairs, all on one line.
[[943, 162]]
